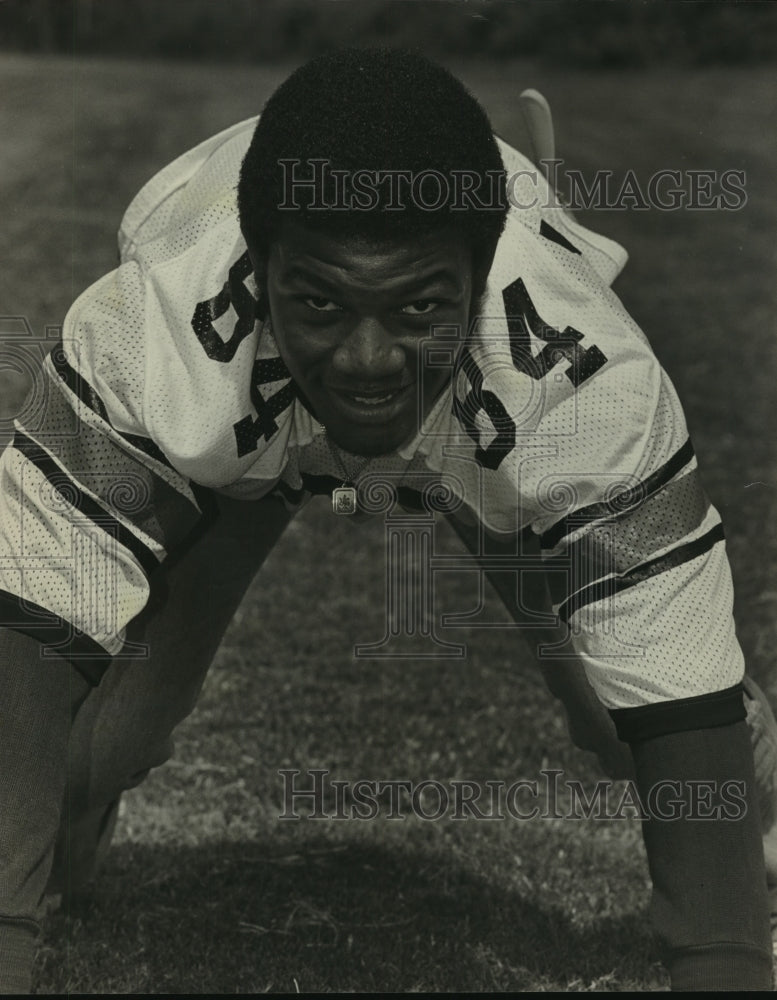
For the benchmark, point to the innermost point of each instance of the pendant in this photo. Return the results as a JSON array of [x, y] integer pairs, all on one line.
[[344, 500]]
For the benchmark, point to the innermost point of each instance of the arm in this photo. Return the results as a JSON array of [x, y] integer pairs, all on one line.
[[590, 449], [709, 905]]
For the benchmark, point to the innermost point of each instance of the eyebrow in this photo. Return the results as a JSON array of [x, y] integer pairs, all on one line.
[[441, 276]]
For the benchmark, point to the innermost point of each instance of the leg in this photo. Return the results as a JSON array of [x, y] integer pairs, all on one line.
[[39, 696], [124, 727]]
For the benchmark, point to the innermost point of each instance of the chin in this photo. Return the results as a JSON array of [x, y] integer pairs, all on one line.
[[356, 442]]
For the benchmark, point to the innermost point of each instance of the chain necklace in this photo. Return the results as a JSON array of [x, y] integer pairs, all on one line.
[[344, 496]]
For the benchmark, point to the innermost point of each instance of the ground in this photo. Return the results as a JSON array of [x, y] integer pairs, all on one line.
[[206, 889]]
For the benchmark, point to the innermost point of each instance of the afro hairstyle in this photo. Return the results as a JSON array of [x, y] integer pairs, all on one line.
[[387, 111]]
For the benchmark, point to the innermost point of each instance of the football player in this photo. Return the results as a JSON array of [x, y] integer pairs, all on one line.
[[392, 298]]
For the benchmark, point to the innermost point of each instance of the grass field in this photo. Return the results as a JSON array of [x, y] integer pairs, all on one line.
[[206, 890]]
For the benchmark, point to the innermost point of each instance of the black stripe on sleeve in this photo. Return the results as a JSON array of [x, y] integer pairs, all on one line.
[[125, 483], [83, 503], [76, 383], [91, 398], [620, 503], [55, 633], [705, 711], [614, 585], [145, 445]]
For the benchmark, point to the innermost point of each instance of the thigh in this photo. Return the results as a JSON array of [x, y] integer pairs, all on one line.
[[124, 727]]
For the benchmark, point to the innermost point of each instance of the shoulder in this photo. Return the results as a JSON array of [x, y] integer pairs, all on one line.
[[534, 204], [556, 386], [200, 182]]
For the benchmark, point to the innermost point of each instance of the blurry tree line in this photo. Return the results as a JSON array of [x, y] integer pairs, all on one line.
[[607, 33]]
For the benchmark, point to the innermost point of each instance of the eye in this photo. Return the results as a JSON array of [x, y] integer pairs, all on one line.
[[420, 307], [321, 304]]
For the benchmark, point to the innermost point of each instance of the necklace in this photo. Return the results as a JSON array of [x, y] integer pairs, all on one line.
[[344, 496]]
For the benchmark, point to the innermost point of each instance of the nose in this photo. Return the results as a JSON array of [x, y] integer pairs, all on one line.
[[369, 352]]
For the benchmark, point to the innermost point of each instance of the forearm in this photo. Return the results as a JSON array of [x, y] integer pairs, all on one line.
[[710, 905]]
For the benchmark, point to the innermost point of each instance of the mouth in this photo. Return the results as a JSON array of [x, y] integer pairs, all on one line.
[[364, 405], [370, 398]]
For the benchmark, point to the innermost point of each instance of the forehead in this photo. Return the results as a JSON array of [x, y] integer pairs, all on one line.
[[303, 253]]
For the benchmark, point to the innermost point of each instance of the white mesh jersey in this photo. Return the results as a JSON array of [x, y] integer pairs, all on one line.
[[557, 417]]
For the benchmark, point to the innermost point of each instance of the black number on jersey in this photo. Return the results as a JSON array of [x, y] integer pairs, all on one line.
[[247, 430], [234, 293], [560, 345], [483, 400]]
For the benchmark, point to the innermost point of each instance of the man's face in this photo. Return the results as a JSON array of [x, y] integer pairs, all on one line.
[[349, 317]]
